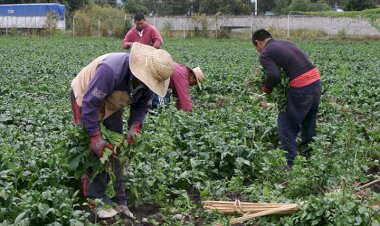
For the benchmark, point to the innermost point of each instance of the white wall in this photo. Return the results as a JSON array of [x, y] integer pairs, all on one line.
[[27, 22], [330, 25]]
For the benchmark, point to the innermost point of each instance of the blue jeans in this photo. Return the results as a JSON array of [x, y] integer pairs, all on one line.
[[300, 115]]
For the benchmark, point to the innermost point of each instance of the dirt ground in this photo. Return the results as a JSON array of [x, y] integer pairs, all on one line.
[[147, 214]]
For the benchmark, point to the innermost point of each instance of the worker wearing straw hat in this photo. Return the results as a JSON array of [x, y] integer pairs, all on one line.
[[183, 77], [99, 94]]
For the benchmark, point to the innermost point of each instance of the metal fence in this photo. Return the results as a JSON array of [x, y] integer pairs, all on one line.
[[84, 26]]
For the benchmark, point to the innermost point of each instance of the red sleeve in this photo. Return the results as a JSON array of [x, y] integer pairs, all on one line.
[[180, 81], [128, 40], [156, 38]]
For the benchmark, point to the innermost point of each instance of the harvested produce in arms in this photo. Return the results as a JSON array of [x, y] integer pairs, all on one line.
[[279, 94], [81, 161]]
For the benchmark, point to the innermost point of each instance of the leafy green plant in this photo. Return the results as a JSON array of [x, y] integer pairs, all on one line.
[[168, 29], [226, 149], [100, 20], [201, 25], [51, 23], [334, 209]]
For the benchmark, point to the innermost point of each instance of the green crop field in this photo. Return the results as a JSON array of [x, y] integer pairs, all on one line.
[[226, 149]]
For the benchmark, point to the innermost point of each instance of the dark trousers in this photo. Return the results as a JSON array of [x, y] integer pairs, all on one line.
[[160, 101], [97, 187], [300, 115]]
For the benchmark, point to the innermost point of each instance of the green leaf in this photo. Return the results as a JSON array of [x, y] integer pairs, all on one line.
[[5, 118], [4, 194], [315, 222], [193, 163], [73, 163], [19, 219], [106, 155], [43, 209], [358, 220], [74, 222], [11, 165]]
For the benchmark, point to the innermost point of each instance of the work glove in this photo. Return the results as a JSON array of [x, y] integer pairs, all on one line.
[[265, 89], [97, 144], [133, 131]]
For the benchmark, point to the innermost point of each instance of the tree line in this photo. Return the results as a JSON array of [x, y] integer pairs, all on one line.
[[211, 7], [241, 7]]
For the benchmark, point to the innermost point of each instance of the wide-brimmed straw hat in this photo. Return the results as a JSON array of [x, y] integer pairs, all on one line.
[[151, 66], [199, 76]]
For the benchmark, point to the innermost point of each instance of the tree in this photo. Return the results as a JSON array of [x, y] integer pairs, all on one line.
[[77, 4], [104, 20], [208, 7], [299, 5], [175, 7], [330, 3], [267, 5], [135, 6], [281, 6], [234, 7], [240, 7], [356, 5], [106, 2], [318, 6], [306, 5]]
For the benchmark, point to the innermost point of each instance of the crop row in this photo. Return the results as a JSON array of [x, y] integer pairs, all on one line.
[[226, 148]]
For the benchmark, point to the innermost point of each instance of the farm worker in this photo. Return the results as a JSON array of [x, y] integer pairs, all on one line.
[[146, 34], [304, 93], [143, 33], [99, 94], [183, 77]]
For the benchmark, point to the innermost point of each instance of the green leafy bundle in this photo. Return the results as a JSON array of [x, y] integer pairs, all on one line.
[[279, 94], [81, 161]]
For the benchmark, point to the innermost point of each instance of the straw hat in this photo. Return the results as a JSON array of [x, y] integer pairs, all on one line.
[[151, 66], [199, 76]]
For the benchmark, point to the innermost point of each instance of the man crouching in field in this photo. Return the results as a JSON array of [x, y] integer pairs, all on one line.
[[99, 94], [304, 92]]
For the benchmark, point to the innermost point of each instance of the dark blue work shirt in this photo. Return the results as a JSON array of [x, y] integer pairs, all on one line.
[[283, 55]]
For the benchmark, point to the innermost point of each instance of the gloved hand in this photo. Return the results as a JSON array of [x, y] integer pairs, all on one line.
[[97, 144], [133, 131], [265, 89]]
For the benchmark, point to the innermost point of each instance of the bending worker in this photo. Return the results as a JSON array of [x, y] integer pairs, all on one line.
[[99, 94], [304, 93], [183, 77]]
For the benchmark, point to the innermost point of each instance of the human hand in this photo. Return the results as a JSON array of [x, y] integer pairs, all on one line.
[[265, 89], [97, 144], [133, 131]]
